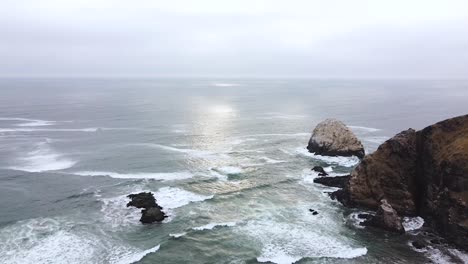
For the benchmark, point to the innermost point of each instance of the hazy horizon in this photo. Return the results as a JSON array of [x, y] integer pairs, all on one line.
[[235, 39]]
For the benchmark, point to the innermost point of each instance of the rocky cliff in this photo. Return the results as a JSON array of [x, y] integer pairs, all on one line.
[[419, 173]]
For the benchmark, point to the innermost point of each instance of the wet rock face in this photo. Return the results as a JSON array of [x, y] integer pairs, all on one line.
[[320, 170], [389, 172], [333, 138], [142, 200], [386, 218], [337, 181], [419, 172], [151, 212]]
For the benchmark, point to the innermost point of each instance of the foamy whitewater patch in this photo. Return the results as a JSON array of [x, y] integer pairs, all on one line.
[[338, 160], [412, 223], [284, 243], [271, 161], [57, 240], [91, 129], [203, 154], [114, 212], [44, 158], [177, 235], [173, 197], [213, 225], [162, 176], [356, 221], [27, 122], [229, 170], [135, 257]]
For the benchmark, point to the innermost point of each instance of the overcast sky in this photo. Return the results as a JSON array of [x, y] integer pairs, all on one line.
[[310, 38]]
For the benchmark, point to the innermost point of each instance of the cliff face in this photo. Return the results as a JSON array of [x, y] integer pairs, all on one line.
[[424, 173]]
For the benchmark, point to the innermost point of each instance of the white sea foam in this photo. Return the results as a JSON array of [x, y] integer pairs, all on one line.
[[437, 256], [202, 154], [230, 170], [44, 158], [214, 225], [90, 129], [45, 240], [412, 223], [364, 129], [285, 243], [356, 221], [177, 235], [271, 161], [338, 160], [135, 257], [163, 176], [27, 122], [173, 197], [463, 256], [56, 240], [116, 214]]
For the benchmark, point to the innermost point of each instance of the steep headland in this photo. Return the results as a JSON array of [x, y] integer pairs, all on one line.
[[421, 173]]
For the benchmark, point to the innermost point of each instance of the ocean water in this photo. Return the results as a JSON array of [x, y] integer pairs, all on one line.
[[225, 158]]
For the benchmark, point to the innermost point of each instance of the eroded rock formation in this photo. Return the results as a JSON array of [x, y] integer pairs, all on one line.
[[333, 138], [419, 173], [151, 212]]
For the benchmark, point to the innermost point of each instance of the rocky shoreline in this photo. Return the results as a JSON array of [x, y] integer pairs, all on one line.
[[415, 173]]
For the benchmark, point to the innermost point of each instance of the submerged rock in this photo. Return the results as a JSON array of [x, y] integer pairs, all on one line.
[[337, 181], [419, 173], [386, 218], [151, 212], [320, 170], [333, 138]]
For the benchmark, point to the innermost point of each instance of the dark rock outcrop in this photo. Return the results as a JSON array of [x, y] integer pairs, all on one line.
[[142, 200], [337, 181], [151, 212], [320, 170], [419, 173], [333, 138], [418, 244], [314, 212], [386, 218]]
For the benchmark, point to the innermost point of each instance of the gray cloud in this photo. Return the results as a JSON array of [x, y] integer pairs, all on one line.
[[322, 38]]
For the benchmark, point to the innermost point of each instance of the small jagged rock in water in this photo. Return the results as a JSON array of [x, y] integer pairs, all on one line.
[[386, 218], [151, 212], [313, 212], [142, 200], [333, 138], [337, 181], [320, 170]]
